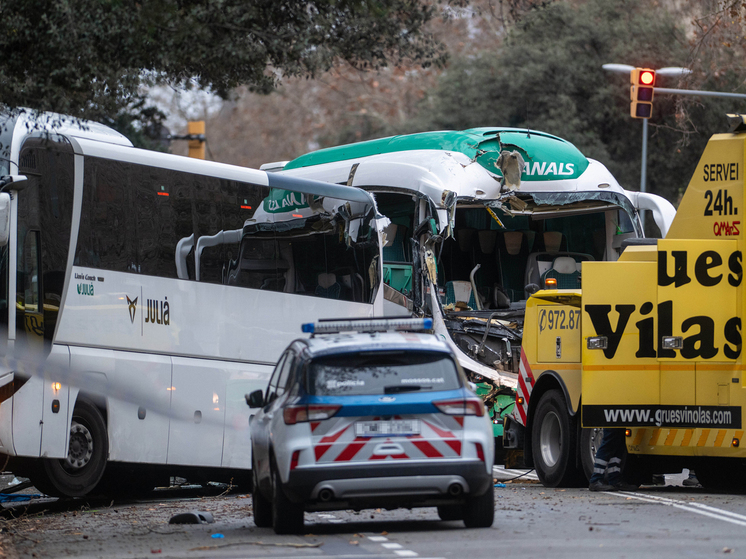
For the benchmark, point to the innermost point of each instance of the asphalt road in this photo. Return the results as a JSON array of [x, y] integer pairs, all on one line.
[[530, 521]]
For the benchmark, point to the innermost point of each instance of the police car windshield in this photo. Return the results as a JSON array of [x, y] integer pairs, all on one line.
[[382, 372]]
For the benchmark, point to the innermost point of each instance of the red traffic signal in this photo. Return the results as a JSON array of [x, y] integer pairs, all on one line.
[[641, 92]]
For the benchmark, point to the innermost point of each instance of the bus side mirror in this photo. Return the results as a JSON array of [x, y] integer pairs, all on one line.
[[255, 399], [4, 218]]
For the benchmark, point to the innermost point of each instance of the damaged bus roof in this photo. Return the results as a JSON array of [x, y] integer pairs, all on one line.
[[432, 162], [465, 163]]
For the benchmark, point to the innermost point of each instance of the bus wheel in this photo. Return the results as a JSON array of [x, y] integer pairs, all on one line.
[[590, 440], [80, 472], [554, 442]]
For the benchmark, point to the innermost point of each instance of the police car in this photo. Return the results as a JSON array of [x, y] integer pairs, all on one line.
[[368, 414]]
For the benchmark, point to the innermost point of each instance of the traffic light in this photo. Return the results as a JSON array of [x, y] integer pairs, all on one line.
[[641, 92]]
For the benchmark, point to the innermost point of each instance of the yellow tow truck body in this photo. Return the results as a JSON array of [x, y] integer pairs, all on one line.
[[652, 343], [662, 328]]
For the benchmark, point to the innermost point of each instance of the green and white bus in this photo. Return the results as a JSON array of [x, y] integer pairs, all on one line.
[[467, 248]]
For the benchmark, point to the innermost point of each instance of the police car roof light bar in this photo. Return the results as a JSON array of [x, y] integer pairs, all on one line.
[[334, 326]]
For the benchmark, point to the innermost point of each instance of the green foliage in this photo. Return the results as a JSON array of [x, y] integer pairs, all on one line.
[[90, 57], [548, 76]]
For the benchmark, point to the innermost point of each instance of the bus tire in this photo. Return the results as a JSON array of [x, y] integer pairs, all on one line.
[[79, 473], [287, 517], [261, 506], [590, 440], [554, 442]]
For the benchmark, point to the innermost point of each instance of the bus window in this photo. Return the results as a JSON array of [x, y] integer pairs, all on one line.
[[156, 197], [107, 233], [44, 222]]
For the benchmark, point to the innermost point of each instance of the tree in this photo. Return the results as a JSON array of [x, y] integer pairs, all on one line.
[[548, 76], [345, 104], [89, 58]]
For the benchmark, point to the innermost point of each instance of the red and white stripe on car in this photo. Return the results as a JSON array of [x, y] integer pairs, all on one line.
[[439, 436]]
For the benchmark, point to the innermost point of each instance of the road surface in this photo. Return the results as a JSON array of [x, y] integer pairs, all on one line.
[[530, 521]]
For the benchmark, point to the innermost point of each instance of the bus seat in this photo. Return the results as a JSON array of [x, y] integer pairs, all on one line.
[[352, 284], [465, 237], [512, 254], [513, 242], [460, 291], [565, 270], [328, 286], [540, 262], [487, 240], [394, 250], [530, 238], [553, 241]]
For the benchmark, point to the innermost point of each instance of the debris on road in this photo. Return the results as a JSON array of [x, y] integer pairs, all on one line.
[[193, 517]]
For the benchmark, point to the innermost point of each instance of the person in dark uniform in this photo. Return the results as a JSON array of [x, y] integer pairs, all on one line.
[[608, 463]]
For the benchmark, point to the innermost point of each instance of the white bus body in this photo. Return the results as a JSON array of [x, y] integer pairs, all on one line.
[[152, 292]]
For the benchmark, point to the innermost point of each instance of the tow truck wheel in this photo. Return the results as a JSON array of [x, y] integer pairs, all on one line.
[[722, 474], [554, 443], [590, 440]]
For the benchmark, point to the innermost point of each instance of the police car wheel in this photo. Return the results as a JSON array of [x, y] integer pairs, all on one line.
[[287, 517], [554, 442], [479, 512], [261, 505], [451, 512]]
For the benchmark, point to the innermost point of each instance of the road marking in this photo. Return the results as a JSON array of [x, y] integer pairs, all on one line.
[[396, 548], [697, 508]]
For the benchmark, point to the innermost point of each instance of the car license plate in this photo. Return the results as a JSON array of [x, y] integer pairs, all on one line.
[[387, 428]]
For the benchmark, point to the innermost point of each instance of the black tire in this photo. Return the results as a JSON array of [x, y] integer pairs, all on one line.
[[554, 443], [479, 512], [287, 517], [500, 451], [79, 473], [722, 474], [261, 505], [451, 512], [590, 440]]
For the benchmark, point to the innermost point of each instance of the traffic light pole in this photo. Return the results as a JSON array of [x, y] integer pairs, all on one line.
[[699, 92], [643, 172]]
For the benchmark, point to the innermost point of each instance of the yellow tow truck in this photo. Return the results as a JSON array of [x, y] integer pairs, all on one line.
[[651, 343]]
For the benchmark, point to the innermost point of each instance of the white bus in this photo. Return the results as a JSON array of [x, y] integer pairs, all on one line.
[[467, 249], [151, 293]]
